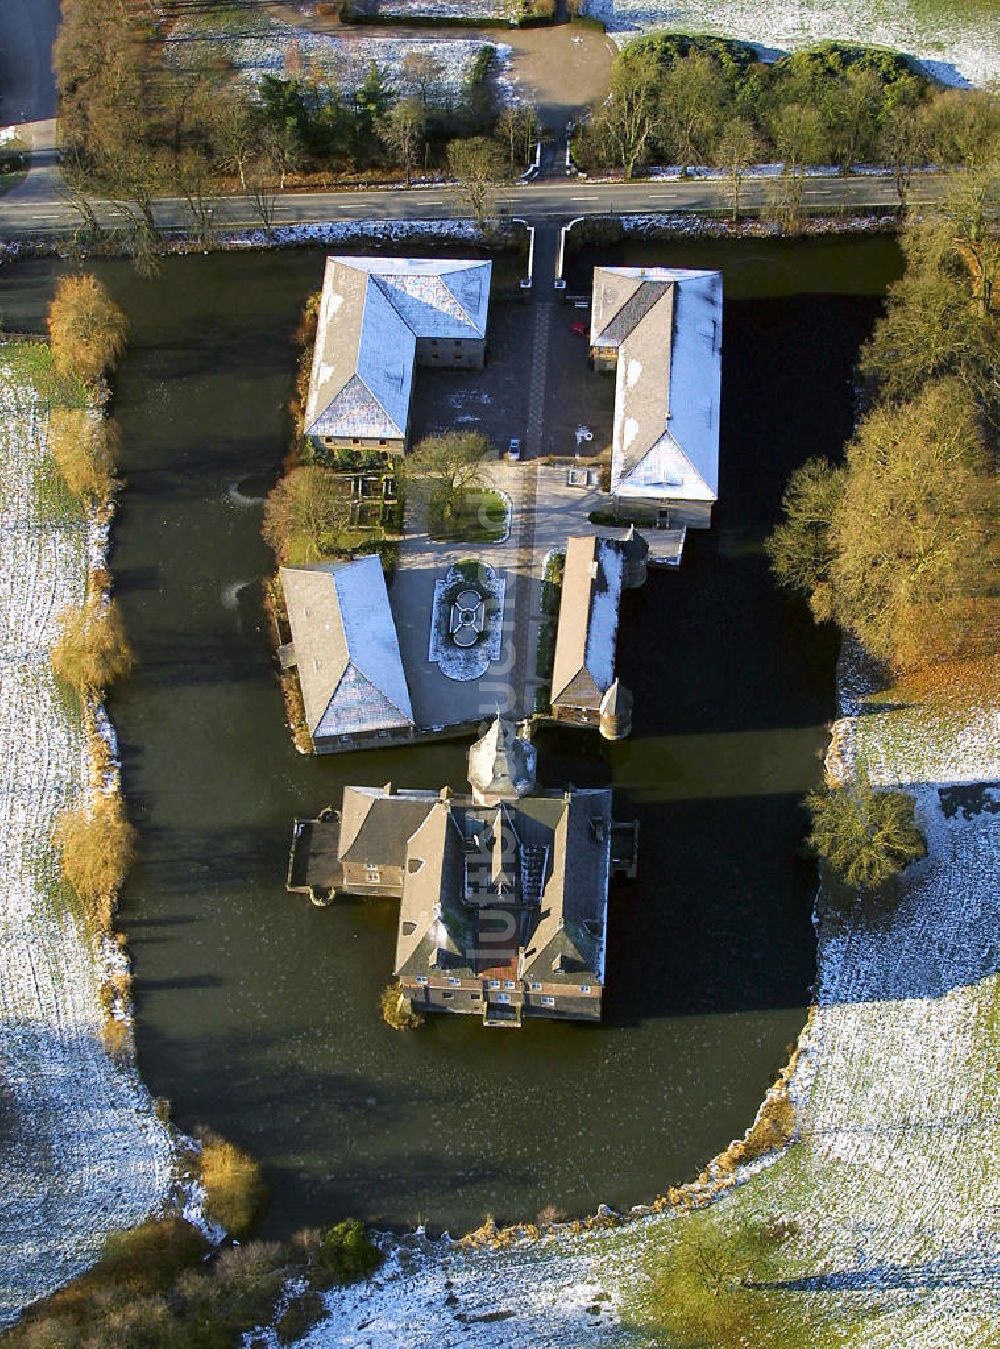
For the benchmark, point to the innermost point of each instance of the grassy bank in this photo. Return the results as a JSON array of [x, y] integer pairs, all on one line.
[[82, 1153]]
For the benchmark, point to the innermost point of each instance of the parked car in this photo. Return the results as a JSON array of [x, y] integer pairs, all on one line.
[[514, 448], [578, 329]]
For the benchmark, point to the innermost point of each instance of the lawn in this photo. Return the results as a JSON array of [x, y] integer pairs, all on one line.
[[483, 517]]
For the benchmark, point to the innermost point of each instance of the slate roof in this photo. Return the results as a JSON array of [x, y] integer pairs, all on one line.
[[375, 826], [346, 648], [583, 666], [569, 939], [544, 860], [372, 311], [666, 325]]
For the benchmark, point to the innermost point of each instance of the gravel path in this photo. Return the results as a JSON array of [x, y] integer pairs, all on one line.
[[81, 1152]]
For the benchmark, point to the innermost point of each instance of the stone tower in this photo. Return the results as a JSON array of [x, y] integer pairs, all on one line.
[[635, 551], [501, 764]]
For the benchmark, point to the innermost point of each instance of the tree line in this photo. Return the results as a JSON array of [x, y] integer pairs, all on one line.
[[898, 543], [711, 101], [134, 127]]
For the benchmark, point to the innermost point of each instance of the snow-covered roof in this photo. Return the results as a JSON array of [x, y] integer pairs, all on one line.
[[346, 648], [666, 325], [372, 311], [583, 666]]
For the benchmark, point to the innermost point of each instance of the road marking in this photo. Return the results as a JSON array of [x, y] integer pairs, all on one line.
[[594, 198], [431, 201]]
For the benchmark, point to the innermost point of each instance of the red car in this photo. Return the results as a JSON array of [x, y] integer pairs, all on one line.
[[578, 329]]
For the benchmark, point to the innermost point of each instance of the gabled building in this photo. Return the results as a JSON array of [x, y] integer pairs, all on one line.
[[585, 690], [660, 331], [503, 893], [378, 319], [346, 652]]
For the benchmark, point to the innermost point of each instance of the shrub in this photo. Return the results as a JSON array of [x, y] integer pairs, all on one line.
[[91, 650], [96, 844], [545, 650], [84, 448], [116, 1037], [397, 1010], [301, 1313], [347, 1253], [86, 328], [234, 1188], [864, 835], [149, 1257], [555, 565]]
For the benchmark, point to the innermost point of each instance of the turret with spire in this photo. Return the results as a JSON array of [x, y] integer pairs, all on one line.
[[501, 764]]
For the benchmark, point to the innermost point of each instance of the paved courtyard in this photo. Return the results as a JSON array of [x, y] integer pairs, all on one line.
[[536, 384]]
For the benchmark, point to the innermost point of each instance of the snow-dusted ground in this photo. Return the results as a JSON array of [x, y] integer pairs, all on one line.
[[443, 9], [258, 46], [894, 1182], [81, 1152], [957, 42]]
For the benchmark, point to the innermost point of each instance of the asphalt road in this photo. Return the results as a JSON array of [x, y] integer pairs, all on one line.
[[549, 199], [41, 205], [27, 85]]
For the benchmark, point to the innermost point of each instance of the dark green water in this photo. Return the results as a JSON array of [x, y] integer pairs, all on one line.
[[258, 1014]]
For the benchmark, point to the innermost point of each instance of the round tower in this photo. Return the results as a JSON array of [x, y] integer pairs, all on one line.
[[616, 712], [501, 764], [635, 551]]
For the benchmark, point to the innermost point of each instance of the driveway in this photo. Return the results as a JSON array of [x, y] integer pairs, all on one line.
[[28, 91]]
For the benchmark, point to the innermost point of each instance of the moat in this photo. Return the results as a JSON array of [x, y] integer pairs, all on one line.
[[258, 1014]]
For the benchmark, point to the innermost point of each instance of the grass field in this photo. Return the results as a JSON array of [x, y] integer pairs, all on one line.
[[81, 1152]]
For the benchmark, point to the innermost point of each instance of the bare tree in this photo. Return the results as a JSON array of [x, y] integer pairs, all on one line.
[[626, 122], [904, 144], [446, 469], [402, 130], [194, 180], [691, 101], [736, 150], [477, 163], [235, 130], [421, 76], [517, 127], [304, 513]]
